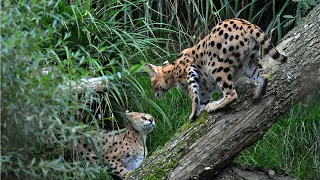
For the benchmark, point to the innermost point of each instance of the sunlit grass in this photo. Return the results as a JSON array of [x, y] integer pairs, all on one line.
[[40, 124], [291, 145]]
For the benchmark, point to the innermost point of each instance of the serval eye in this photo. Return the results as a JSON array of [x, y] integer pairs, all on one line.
[[144, 118]]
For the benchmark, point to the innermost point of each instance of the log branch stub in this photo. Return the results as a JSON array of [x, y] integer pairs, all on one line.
[[97, 84]]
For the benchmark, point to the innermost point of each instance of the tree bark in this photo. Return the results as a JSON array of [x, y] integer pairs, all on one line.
[[98, 84], [201, 149]]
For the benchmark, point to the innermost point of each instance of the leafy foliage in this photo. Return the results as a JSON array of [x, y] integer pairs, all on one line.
[[39, 121], [46, 44]]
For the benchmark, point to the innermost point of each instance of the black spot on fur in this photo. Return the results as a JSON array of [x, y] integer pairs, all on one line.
[[214, 71], [218, 79], [231, 48], [226, 35], [265, 38], [231, 38], [227, 69], [212, 43], [229, 77], [193, 51], [219, 45], [254, 72], [198, 47], [241, 43], [197, 100], [269, 48], [219, 69], [237, 36], [220, 32], [237, 55], [276, 55], [224, 50], [225, 85]]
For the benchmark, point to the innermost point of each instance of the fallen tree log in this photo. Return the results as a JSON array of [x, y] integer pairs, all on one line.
[[203, 148], [97, 84]]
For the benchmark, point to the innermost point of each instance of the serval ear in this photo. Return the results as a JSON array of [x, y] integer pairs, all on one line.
[[165, 63], [128, 113], [152, 70]]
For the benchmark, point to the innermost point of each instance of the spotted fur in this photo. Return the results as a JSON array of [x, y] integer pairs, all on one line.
[[232, 49], [123, 151]]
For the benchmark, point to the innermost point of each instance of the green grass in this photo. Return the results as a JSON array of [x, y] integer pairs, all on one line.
[[170, 112], [40, 124], [291, 145]]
